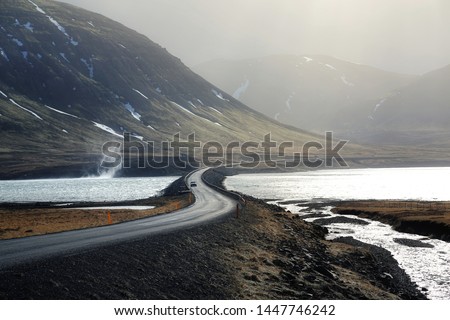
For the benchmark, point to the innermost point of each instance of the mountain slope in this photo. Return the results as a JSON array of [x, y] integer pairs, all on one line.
[[72, 80], [309, 92], [417, 114]]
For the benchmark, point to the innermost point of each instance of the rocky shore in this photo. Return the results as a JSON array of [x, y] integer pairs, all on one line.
[[266, 253], [431, 219]]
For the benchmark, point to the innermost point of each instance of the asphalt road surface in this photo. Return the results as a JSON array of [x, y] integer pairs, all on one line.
[[209, 205]]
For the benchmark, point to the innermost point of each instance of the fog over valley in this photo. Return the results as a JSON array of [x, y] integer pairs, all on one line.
[[406, 36]]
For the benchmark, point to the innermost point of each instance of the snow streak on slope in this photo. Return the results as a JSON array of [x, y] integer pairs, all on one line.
[[289, 100], [3, 54], [25, 109], [130, 109], [346, 82], [52, 20], [219, 95], [195, 115], [106, 129], [90, 66], [18, 42], [141, 94], [214, 109], [62, 112], [184, 109], [37, 7]]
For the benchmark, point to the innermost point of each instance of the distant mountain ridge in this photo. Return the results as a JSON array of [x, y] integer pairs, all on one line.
[[72, 80], [418, 114], [360, 103], [304, 91]]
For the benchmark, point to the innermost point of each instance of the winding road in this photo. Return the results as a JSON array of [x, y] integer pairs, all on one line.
[[209, 205]]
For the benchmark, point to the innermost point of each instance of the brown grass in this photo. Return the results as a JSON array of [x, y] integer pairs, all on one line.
[[24, 222], [263, 237], [402, 210]]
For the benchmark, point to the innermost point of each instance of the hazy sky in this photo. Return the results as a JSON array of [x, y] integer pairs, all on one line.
[[411, 36]]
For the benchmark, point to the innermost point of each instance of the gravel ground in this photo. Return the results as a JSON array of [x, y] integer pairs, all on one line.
[[265, 254]]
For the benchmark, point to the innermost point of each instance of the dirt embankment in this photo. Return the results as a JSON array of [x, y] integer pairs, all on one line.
[[265, 254], [24, 221], [430, 219]]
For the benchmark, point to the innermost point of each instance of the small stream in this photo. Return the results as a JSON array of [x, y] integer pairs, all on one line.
[[429, 266], [427, 262]]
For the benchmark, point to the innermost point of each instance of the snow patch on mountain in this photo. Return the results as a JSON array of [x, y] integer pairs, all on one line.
[[379, 105], [183, 108], [37, 7], [329, 66], [193, 105], [3, 94], [211, 122], [131, 110], [375, 109], [190, 112], [63, 55], [56, 23], [28, 26], [134, 135], [219, 95], [214, 109], [63, 30], [289, 100], [241, 90], [106, 129], [25, 54], [62, 112], [18, 42], [346, 82], [308, 59], [3, 54], [141, 94], [90, 66], [25, 109]]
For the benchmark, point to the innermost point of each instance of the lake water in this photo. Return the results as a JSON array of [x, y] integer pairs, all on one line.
[[357, 184], [428, 267], [84, 189]]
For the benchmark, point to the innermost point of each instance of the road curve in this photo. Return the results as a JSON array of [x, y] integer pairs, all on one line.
[[209, 205]]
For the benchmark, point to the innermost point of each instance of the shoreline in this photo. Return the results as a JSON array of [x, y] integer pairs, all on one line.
[[18, 221], [265, 254], [426, 218], [31, 219]]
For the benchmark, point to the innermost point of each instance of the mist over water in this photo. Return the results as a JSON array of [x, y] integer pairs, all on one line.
[[409, 36]]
